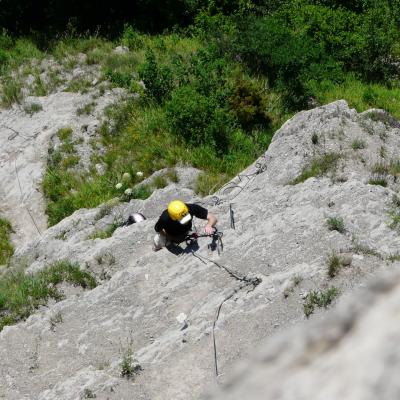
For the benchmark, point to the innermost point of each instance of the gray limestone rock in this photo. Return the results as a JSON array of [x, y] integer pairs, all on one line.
[[275, 259]]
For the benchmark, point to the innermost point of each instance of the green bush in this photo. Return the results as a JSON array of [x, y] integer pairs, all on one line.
[[249, 105], [157, 79], [118, 78], [270, 47], [3, 58], [189, 113], [131, 38]]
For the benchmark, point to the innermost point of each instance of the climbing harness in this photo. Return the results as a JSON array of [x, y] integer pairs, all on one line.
[[216, 243]]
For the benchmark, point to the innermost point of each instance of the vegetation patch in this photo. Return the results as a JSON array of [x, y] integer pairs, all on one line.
[[105, 209], [65, 134], [319, 166], [395, 213], [129, 366], [319, 299], [334, 264], [388, 168], [21, 294], [358, 144], [211, 92], [378, 181], [384, 117], [106, 233], [6, 248], [335, 224], [11, 92], [86, 109], [32, 108]]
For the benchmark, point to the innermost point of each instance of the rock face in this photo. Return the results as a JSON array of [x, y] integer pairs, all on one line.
[[24, 142], [351, 354], [169, 309]]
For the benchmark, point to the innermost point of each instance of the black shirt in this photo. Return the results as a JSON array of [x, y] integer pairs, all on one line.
[[175, 228]]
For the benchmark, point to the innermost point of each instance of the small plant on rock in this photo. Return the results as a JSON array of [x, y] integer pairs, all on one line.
[[336, 224], [32, 108], [64, 134], [379, 181], [129, 365], [88, 394], [319, 299], [358, 144], [334, 264], [319, 166]]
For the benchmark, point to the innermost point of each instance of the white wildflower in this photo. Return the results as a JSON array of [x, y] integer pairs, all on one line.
[[128, 192], [118, 185], [139, 174]]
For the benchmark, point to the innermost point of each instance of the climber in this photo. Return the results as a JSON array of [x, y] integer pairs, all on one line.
[[176, 221]]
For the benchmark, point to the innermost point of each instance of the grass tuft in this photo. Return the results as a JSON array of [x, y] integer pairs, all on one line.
[[378, 181], [319, 166], [106, 233], [358, 144], [334, 264], [6, 248], [335, 224], [64, 134], [32, 108], [11, 92], [319, 299]]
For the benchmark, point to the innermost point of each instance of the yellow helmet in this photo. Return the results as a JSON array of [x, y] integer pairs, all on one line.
[[178, 211]]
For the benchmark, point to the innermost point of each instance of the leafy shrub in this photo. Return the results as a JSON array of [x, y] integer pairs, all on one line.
[[369, 96], [157, 79], [131, 38], [119, 78], [269, 46], [249, 105], [3, 57], [6, 41], [190, 115]]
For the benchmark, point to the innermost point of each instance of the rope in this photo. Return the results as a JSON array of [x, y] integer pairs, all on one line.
[[246, 281], [22, 195], [16, 133], [261, 167], [233, 274]]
